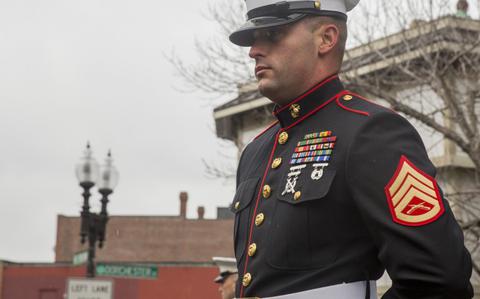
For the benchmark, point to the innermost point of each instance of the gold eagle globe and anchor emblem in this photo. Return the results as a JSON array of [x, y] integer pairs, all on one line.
[[295, 110]]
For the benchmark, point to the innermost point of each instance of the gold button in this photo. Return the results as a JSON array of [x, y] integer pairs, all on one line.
[[247, 278], [283, 137], [295, 110], [237, 205], [317, 4], [347, 97], [259, 219], [297, 195], [267, 190], [276, 163], [252, 249]]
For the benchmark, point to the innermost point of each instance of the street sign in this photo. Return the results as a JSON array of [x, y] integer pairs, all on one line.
[[127, 271], [81, 288], [80, 257]]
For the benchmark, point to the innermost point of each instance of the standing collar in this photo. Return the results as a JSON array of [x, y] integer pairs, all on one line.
[[309, 102]]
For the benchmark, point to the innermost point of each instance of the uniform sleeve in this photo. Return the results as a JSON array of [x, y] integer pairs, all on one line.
[[419, 241]]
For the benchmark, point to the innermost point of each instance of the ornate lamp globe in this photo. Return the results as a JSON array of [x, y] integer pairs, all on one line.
[[108, 174], [87, 169]]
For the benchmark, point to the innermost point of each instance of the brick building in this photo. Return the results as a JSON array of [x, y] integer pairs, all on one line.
[[152, 238], [178, 249], [48, 281]]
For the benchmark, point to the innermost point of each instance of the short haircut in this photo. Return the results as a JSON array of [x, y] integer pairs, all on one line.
[[316, 21]]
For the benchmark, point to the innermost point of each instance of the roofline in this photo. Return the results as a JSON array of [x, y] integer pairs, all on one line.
[[154, 216], [410, 33], [33, 264], [372, 67], [260, 102]]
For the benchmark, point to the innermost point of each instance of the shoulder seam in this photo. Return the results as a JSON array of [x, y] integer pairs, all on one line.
[[372, 102], [350, 109]]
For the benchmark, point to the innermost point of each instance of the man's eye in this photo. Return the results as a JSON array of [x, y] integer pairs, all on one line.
[[273, 35]]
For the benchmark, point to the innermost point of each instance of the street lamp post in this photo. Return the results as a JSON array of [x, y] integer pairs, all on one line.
[[93, 225]]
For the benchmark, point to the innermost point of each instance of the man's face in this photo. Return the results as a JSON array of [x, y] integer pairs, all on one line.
[[227, 288], [285, 61]]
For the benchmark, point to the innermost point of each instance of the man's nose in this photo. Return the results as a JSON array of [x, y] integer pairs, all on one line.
[[257, 49]]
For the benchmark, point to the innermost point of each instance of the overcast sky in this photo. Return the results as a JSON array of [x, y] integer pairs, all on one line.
[[72, 71]]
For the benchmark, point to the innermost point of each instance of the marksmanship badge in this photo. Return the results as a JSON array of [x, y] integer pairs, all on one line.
[[317, 172], [413, 196], [292, 178]]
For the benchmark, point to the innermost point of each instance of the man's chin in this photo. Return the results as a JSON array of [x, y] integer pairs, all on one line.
[[267, 89], [274, 92], [265, 86]]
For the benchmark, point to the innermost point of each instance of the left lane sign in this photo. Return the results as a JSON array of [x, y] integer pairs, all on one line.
[[80, 288]]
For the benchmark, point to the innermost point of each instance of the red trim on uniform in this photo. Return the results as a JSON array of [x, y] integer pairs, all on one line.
[[266, 129], [370, 101], [311, 112], [350, 109], [252, 223], [306, 93], [404, 159]]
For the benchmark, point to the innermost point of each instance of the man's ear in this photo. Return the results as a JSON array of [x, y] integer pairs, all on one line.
[[326, 38]]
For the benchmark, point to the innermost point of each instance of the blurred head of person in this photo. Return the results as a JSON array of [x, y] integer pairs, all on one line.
[[226, 286], [227, 277]]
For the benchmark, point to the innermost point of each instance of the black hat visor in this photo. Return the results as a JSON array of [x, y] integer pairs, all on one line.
[[244, 36], [222, 276]]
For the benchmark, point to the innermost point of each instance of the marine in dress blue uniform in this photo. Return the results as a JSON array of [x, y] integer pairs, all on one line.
[[337, 191]]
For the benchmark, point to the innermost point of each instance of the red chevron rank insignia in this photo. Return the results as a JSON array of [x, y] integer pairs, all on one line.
[[413, 195]]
